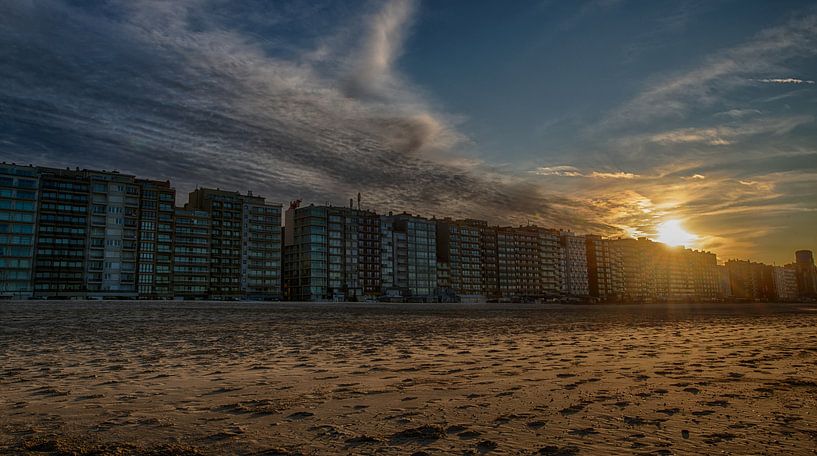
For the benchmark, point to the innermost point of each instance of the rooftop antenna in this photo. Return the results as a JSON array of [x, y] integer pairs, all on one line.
[[358, 200]]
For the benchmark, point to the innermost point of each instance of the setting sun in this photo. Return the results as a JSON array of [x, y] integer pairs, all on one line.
[[672, 233]]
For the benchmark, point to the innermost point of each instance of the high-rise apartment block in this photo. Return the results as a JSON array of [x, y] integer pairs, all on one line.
[[785, 283], [575, 265], [156, 237], [19, 187], [61, 257], [458, 253], [750, 280], [806, 273], [657, 272], [331, 253], [409, 256], [191, 254], [245, 243], [605, 268]]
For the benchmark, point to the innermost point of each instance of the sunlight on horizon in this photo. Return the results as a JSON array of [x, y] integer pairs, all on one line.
[[673, 234]]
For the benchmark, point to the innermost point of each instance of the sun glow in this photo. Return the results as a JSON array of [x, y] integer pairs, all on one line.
[[672, 233]]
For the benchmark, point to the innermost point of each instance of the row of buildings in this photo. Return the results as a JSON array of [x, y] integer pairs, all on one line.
[[757, 281], [101, 235], [95, 234]]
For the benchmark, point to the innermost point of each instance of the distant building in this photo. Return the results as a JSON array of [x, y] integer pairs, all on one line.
[[90, 234], [18, 210], [63, 233], [518, 261], [488, 257], [331, 253], [113, 247], [723, 281], [575, 265], [155, 232], [245, 244], [656, 272], [409, 256], [191, 254], [751, 281], [806, 274], [459, 266], [551, 263], [605, 268], [785, 283]]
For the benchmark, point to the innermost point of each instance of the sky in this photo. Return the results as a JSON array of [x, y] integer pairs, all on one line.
[[605, 116]]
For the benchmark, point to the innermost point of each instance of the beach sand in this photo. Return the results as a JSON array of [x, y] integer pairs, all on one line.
[[288, 378]]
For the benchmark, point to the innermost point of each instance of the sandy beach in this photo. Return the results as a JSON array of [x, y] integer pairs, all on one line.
[[289, 378]]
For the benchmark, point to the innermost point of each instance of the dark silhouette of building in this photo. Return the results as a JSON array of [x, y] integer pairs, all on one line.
[[751, 281], [806, 274]]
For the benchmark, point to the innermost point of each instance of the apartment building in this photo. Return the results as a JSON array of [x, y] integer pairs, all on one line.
[[19, 186], [63, 226], [332, 253], [409, 256], [191, 254], [750, 280], [518, 261], [657, 272], [575, 277], [785, 283], [113, 244], [245, 243], [155, 231], [458, 259], [605, 268]]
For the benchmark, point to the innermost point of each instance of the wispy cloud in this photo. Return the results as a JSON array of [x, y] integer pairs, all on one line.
[[675, 97], [568, 171], [613, 175], [721, 135], [171, 90], [572, 171], [786, 81]]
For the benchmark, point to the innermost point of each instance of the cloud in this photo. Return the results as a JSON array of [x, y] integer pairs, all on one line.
[[738, 113], [694, 177], [572, 171], [702, 87], [722, 135], [217, 97], [568, 171], [785, 81], [613, 175]]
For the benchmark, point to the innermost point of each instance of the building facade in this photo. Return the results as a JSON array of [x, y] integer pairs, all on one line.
[[332, 253], [19, 187], [409, 256], [63, 225], [113, 243], [785, 283], [575, 282], [191, 254], [245, 244], [806, 274], [657, 272], [751, 281], [519, 263], [458, 259], [156, 220], [605, 268]]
